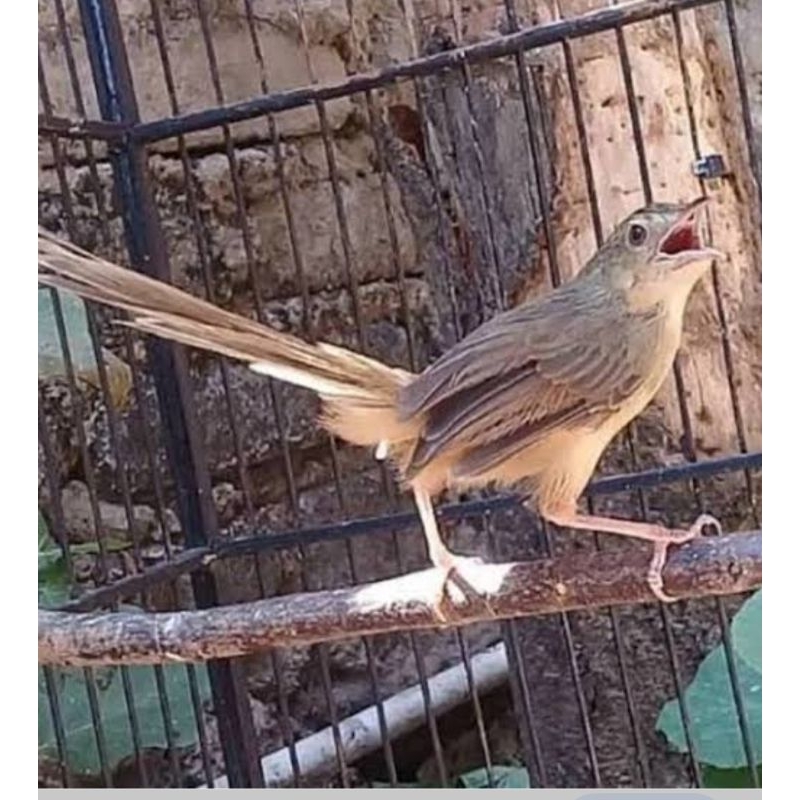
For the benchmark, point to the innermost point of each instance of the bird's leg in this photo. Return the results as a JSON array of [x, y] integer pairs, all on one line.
[[447, 562], [661, 537]]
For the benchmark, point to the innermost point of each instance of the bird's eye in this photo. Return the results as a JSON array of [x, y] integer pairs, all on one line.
[[637, 234]]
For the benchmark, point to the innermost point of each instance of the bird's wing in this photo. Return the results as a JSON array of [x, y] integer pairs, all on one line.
[[561, 360]]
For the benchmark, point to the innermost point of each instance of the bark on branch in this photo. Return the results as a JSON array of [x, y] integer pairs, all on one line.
[[706, 566]]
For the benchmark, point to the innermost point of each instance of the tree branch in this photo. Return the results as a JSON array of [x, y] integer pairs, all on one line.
[[707, 566]]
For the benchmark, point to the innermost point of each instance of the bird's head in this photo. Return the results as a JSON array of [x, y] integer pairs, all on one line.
[[655, 248]]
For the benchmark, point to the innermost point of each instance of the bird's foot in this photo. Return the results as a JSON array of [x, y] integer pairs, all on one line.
[[455, 583], [672, 536]]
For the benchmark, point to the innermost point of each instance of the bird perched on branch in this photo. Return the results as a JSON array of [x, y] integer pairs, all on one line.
[[530, 398]]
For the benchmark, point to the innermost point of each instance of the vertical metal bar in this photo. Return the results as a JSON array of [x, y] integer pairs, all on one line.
[[97, 724], [117, 103], [80, 107], [142, 404], [738, 695], [430, 717], [498, 283], [302, 283], [636, 129], [223, 366], [341, 217], [277, 150], [165, 702], [249, 250], [113, 417], [344, 233], [538, 166], [519, 686], [580, 695], [111, 411], [641, 754], [202, 735], [487, 213], [76, 396], [441, 216], [414, 364], [57, 522], [322, 653], [518, 680], [432, 168], [457, 211], [680, 693], [483, 738], [723, 319], [388, 753], [191, 195], [633, 113], [133, 721], [500, 298], [684, 410], [287, 731], [741, 80], [413, 360], [50, 680], [583, 142], [447, 209], [77, 401]]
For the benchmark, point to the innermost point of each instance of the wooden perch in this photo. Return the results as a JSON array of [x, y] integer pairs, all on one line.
[[707, 566]]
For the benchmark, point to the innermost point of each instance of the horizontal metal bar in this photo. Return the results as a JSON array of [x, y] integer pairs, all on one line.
[[113, 132], [612, 484], [696, 470], [132, 585], [255, 542], [712, 565], [526, 39]]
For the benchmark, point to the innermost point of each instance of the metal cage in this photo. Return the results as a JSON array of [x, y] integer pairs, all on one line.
[[554, 669]]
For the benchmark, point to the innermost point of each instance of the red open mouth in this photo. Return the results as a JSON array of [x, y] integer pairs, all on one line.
[[681, 238]]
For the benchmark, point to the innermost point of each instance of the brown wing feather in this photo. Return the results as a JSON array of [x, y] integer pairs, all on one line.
[[510, 340], [555, 362]]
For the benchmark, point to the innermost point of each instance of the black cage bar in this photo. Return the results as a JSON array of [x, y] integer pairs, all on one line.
[[159, 443]]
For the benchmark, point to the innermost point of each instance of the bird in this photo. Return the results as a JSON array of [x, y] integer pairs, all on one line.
[[529, 399]]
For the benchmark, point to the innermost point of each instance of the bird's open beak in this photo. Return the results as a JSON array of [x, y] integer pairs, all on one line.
[[682, 242]]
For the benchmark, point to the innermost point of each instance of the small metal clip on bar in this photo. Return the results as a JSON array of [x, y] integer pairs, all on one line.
[[710, 167]]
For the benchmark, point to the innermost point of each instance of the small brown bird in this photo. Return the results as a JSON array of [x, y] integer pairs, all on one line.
[[532, 397]]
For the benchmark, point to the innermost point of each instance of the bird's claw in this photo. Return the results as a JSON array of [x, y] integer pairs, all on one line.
[[697, 526], [455, 584], [655, 579]]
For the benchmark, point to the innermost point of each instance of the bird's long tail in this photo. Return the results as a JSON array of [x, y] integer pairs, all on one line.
[[359, 394]]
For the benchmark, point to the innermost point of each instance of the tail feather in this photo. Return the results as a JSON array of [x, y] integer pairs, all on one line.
[[359, 393]]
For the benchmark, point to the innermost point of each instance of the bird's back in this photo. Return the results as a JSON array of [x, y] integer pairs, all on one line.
[[507, 400]]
